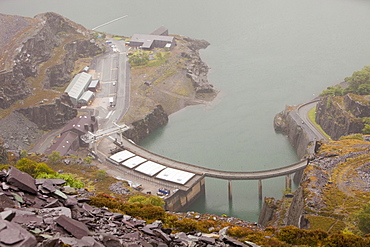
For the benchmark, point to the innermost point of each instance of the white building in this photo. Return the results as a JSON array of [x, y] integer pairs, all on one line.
[[78, 86]]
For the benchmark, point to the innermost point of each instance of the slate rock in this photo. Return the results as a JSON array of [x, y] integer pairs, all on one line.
[[207, 240], [7, 215], [110, 241], [14, 235], [74, 227], [54, 181], [6, 202], [21, 180], [233, 242], [69, 190]]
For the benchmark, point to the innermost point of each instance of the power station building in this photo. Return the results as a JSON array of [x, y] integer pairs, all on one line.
[[157, 39]]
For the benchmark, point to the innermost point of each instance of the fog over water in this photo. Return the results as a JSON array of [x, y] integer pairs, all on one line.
[[263, 56]]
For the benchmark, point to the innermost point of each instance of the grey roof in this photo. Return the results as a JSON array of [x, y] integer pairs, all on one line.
[[94, 83], [86, 96], [78, 85], [159, 31], [64, 143], [148, 39]]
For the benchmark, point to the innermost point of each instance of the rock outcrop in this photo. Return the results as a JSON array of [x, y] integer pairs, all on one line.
[[197, 70], [35, 41], [142, 128], [49, 116], [341, 115]]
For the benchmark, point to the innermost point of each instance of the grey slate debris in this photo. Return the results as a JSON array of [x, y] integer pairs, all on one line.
[[38, 213]]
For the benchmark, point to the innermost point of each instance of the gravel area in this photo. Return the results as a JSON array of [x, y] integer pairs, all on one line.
[[17, 132]]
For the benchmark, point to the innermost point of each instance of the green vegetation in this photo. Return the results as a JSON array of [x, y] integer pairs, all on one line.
[[139, 58], [147, 200], [42, 170], [312, 117], [357, 136], [70, 180], [358, 83], [364, 219], [366, 129], [146, 212]]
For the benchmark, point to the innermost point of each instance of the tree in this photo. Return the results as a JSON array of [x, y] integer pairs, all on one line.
[[359, 80], [54, 157], [333, 91]]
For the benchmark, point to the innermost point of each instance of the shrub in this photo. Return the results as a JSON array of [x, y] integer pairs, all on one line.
[[68, 178], [145, 212], [33, 168], [345, 240]]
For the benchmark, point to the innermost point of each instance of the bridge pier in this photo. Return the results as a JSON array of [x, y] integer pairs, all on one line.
[[260, 189], [288, 182], [230, 190]]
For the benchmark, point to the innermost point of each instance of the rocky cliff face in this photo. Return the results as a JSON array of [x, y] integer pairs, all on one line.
[[60, 74], [340, 116], [47, 32], [53, 115], [142, 128], [197, 70]]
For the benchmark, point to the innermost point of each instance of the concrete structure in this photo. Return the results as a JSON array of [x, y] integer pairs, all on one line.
[[78, 86], [157, 39]]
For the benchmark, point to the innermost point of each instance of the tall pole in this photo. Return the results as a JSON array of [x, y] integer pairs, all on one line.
[[230, 190]]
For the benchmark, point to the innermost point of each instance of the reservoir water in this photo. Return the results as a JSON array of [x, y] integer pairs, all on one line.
[[264, 55]]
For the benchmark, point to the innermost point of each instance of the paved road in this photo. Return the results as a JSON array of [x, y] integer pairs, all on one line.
[[113, 71], [303, 111]]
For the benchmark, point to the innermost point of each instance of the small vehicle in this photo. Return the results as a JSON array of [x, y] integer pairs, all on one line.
[[164, 191]]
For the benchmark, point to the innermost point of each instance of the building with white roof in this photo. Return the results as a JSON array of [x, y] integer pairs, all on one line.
[[134, 161], [175, 175], [78, 86], [150, 168], [121, 156]]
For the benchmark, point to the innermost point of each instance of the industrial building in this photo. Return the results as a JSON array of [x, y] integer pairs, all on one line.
[[78, 87], [157, 39], [69, 139]]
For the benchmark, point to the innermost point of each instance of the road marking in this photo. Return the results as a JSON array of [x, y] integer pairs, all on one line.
[[110, 113]]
